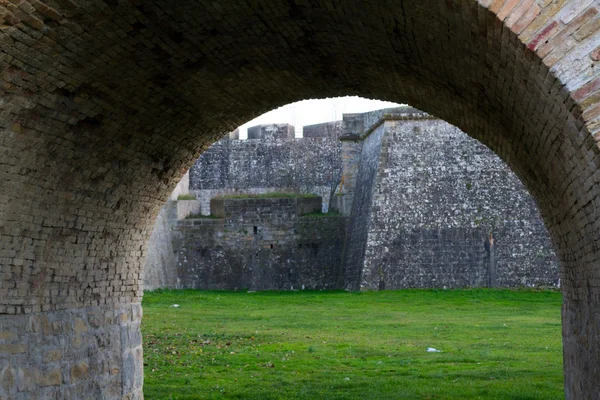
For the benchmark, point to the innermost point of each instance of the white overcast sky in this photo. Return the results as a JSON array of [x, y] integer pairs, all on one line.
[[308, 112]]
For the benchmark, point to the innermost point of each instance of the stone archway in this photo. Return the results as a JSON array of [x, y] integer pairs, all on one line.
[[104, 106]]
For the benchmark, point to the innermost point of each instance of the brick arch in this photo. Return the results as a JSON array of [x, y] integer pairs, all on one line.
[[104, 105]]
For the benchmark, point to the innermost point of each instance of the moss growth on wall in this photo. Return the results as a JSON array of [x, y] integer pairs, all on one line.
[[186, 197], [265, 195]]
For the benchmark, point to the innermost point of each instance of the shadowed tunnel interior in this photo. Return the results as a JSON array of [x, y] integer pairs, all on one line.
[[105, 105]]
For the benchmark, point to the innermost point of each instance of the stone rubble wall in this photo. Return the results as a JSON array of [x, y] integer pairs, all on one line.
[[438, 195], [81, 353], [260, 244], [360, 214], [273, 161], [427, 206]]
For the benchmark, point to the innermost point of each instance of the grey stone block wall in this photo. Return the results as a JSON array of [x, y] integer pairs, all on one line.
[[360, 215], [427, 206], [260, 244], [330, 130], [271, 162], [438, 198]]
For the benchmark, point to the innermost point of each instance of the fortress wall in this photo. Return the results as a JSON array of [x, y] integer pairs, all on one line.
[[359, 220], [272, 132], [273, 162], [203, 197], [439, 194], [260, 244], [427, 206], [331, 130], [159, 271]]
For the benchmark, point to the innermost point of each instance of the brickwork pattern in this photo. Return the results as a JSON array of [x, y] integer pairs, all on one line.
[[105, 105]]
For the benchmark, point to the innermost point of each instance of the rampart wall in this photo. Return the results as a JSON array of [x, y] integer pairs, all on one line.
[[442, 211], [260, 243], [270, 160], [423, 205]]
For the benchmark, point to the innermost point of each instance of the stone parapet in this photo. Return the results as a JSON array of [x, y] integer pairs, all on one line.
[[272, 132]]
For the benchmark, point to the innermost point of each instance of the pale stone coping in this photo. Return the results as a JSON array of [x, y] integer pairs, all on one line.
[[359, 137]]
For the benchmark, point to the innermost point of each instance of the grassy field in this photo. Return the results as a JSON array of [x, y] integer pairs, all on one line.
[[494, 344]]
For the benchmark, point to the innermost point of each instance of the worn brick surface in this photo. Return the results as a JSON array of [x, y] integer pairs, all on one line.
[[105, 105]]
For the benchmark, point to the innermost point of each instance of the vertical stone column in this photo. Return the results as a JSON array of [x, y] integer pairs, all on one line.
[[351, 152], [83, 353], [352, 127]]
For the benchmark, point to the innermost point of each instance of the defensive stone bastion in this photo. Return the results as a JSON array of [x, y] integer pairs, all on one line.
[[413, 202]]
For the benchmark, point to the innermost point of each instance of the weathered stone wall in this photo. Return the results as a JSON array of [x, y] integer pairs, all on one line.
[[360, 215], [81, 353], [429, 207], [160, 271], [260, 244], [271, 160], [445, 211], [331, 130]]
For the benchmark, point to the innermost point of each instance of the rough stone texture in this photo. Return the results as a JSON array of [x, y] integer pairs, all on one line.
[[106, 105], [160, 271], [85, 353], [433, 208], [360, 214], [260, 244], [437, 197], [271, 160]]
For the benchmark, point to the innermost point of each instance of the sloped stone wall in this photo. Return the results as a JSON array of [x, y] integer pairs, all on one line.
[[360, 215], [443, 211], [160, 271]]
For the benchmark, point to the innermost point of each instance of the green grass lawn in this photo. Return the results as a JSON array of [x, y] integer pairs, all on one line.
[[495, 344]]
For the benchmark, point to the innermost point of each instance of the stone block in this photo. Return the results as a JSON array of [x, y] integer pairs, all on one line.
[[26, 380], [48, 377], [52, 355], [16, 348], [80, 326], [8, 379], [7, 335], [79, 372]]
